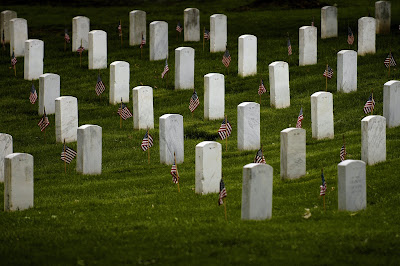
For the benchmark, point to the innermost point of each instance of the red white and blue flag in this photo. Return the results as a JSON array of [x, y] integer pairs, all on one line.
[[225, 130], [206, 34], [369, 105], [328, 72], [226, 59], [142, 42], [259, 157], [179, 27], [389, 60], [323, 186], [33, 95], [44, 122], [13, 60], [174, 173], [350, 36], [166, 69], [66, 36], [289, 47], [147, 141], [68, 154], [194, 102], [261, 88], [100, 87], [300, 118], [222, 192], [343, 153], [124, 112]]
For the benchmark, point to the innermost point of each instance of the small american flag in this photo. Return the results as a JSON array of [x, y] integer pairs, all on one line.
[[323, 186], [343, 153], [369, 105], [143, 42], [300, 118], [147, 141], [312, 22], [206, 34], [194, 102], [119, 29], [261, 88], [44, 122], [389, 60], [13, 60], [289, 47], [33, 95], [166, 69], [226, 58], [259, 157], [222, 192], [66, 36], [225, 130], [328, 72], [100, 88], [179, 27], [80, 50], [174, 173], [124, 112], [350, 36], [68, 155]]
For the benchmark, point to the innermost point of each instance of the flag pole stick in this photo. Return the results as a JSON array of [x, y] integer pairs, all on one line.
[[65, 163], [372, 94], [203, 37], [141, 47], [226, 132], [288, 50], [177, 174], [148, 146], [322, 172], [120, 117], [80, 56], [326, 78], [226, 218]]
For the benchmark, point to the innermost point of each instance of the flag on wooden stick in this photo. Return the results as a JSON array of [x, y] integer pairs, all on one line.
[[147, 141], [166, 69], [300, 118], [225, 130], [226, 58], [369, 105], [124, 112], [33, 95], [322, 190], [174, 173], [119, 29], [80, 50], [222, 192], [350, 36], [67, 154], [343, 153], [289, 47], [100, 87], [13, 60], [194, 102], [44, 122], [389, 61], [259, 157], [328, 72], [142, 42], [179, 27], [67, 39], [206, 35], [261, 88]]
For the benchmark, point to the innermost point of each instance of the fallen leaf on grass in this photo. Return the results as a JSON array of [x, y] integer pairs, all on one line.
[[307, 214]]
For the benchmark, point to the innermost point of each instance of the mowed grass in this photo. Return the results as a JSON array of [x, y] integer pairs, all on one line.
[[133, 214]]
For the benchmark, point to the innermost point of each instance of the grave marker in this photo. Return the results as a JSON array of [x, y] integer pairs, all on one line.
[[352, 187], [191, 25], [49, 90], [18, 36], [97, 49], [279, 84], [184, 68], [293, 153], [158, 40], [248, 119], [218, 33], [6, 148], [171, 138], [373, 139], [143, 114], [382, 17], [322, 115], [366, 35], [214, 96], [307, 45], [5, 17], [119, 82], [80, 32], [137, 27], [33, 59], [66, 119], [89, 152], [208, 167], [247, 62], [391, 100], [347, 71], [329, 22]]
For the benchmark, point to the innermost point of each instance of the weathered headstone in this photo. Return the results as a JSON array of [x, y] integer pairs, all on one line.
[[279, 84], [184, 68], [373, 139], [247, 63], [171, 138], [6, 148], [391, 103], [208, 167], [97, 49], [257, 191], [329, 22], [143, 114], [18, 36], [248, 126], [293, 153], [66, 118], [383, 16], [158, 40], [119, 82], [307, 45], [33, 59], [137, 27], [49, 90], [89, 153], [214, 96], [191, 25], [352, 185], [366, 35], [347, 71], [322, 115], [18, 181], [5, 17], [218, 33], [80, 32]]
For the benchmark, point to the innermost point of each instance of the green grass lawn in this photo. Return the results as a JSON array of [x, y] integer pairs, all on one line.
[[133, 214]]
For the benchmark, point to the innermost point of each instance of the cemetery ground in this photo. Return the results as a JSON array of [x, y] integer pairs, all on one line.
[[133, 214]]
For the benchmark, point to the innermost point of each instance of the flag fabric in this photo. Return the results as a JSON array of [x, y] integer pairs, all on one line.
[[124, 112], [66, 36], [289, 47], [225, 130], [222, 192], [179, 27], [119, 29], [259, 157], [147, 141], [80, 50], [350, 36], [33, 95], [369, 105], [389, 61], [13, 60], [194, 102], [166, 69], [142, 43], [174, 173], [261, 88], [323, 186], [100, 87], [226, 58], [300, 118], [206, 34], [343, 153], [328, 72], [44, 122], [68, 155]]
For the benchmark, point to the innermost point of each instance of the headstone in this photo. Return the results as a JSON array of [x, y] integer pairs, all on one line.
[[373, 139], [218, 33], [5, 18], [382, 16], [214, 96], [329, 22], [171, 138], [322, 115], [119, 82], [143, 116], [293, 153], [352, 187], [208, 167], [247, 65], [18, 36], [66, 118], [279, 84], [137, 27], [6, 148], [49, 90], [366, 35], [191, 25], [307, 45], [347, 71], [89, 153], [33, 60], [158, 40], [184, 68], [248, 126], [391, 103], [80, 32], [18, 181], [257, 191], [97, 49]]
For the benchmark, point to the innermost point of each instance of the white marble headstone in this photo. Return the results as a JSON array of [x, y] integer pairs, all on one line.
[[89, 151], [5, 17], [352, 185], [6, 148], [191, 25], [391, 103], [322, 115], [366, 35], [293, 153], [383, 16], [137, 27], [49, 90], [18, 36], [248, 126], [97, 49], [307, 45], [119, 82], [247, 60], [184, 68], [143, 114], [208, 167], [66, 118], [347, 71], [218, 33], [171, 138], [158, 40], [214, 96], [329, 22], [33, 59], [373, 139], [279, 84], [80, 32]]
